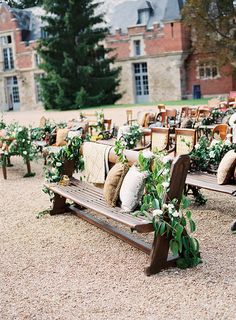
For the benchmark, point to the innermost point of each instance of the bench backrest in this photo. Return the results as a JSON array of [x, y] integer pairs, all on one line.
[[179, 171]]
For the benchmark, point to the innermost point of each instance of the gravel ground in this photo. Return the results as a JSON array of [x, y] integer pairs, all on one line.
[[63, 268]]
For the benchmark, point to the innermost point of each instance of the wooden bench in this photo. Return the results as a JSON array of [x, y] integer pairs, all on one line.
[[209, 182], [87, 197]]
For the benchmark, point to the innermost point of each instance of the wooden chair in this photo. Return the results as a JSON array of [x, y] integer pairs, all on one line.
[[193, 113], [220, 131], [171, 118], [161, 108], [203, 112], [160, 139], [161, 117], [185, 140], [185, 112], [129, 118]]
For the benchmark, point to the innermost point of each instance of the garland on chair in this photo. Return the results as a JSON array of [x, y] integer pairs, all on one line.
[[167, 218]]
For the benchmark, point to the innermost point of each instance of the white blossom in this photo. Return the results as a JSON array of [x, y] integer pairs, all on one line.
[[197, 146], [58, 164], [166, 159], [148, 154], [20, 129], [23, 140], [157, 212], [165, 172], [212, 154], [165, 184], [25, 152], [175, 214]]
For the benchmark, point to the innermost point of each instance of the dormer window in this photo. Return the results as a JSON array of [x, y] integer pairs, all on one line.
[[144, 13], [143, 16]]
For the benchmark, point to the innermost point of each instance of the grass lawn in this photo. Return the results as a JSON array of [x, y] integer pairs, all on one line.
[[191, 102]]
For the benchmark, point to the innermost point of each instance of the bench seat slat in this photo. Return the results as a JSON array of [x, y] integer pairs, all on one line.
[[92, 198], [208, 181]]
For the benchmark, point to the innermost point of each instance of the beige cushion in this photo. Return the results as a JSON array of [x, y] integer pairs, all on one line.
[[61, 137], [226, 168], [141, 118], [132, 189], [113, 183]]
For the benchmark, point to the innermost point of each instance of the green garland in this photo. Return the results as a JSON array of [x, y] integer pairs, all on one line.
[[167, 218], [129, 140], [70, 152]]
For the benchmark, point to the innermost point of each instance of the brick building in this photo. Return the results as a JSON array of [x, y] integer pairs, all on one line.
[[150, 42]]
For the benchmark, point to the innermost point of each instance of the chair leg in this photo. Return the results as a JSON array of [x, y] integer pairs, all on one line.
[[159, 256], [59, 205]]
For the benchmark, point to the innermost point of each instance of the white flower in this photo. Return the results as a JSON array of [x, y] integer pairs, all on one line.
[[166, 171], [197, 146], [157, 212], [131, 142], [165, 184], [165, 206], [20, 129], [212, 154], [171, 207], [175, 214], [25, 152], [23, 140], [58, 164], [148, 154], [54, 170], [166, 159]]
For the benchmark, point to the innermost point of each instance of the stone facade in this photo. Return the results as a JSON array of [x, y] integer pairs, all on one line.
[[18, 66], [155, 56]]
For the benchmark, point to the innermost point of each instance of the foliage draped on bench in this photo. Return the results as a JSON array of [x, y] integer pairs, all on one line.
[[87, 197]]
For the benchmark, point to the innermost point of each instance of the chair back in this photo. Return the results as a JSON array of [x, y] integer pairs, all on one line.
[[160, 139], [171, 117], [185, 140], [107, 124], [129, 117], [161, 107], [193, 112], [203, 112], [185, 112], [220, 131]]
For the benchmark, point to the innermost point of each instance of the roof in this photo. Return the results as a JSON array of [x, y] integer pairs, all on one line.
[[119, 14]]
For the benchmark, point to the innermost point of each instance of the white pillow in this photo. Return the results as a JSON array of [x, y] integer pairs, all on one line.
[[72, 134], [123, 130], [132, 189]]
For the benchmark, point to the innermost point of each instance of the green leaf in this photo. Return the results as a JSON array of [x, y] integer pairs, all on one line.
[[174, 247], [192, 225], [156, 204], [189, 214], [162, 228]]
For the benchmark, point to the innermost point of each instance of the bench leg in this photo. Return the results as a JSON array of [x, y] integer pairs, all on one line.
[[233, 226], [159, 256], [59, 205], [4, 168]]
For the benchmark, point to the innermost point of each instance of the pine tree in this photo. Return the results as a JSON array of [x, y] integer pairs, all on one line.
[[23, 4], [77, 65]]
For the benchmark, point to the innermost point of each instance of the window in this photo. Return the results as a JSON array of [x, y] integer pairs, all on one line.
[[208, 70], [13, 89], [37, 59], [44, 33], [8, 59], [38, 91], [5, 40], [141, 79], [137, 47], [143, 16]]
